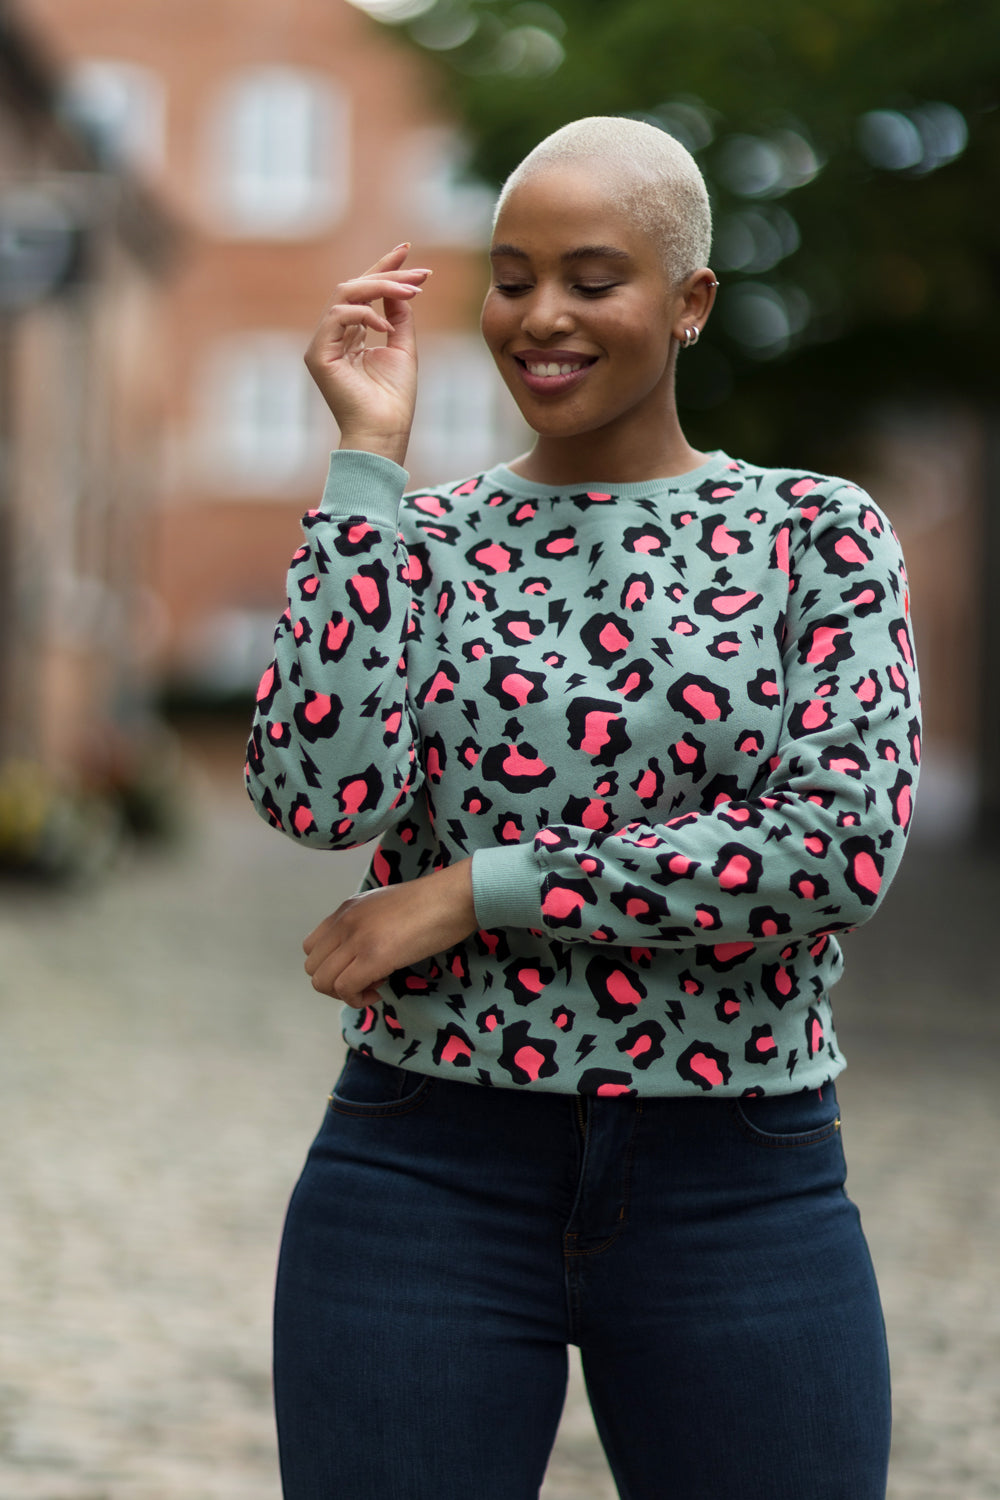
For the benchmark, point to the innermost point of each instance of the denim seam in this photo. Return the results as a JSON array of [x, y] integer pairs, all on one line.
[[360, 1111], [771, 1142]]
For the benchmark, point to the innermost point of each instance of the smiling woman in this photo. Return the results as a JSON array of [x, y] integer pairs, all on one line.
[[636, 729]]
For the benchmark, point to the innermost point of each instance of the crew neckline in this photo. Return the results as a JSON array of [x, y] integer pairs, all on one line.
[[501, 475]]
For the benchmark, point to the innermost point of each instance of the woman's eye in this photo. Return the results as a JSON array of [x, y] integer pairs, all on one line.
[[596, 288], [511, 288]]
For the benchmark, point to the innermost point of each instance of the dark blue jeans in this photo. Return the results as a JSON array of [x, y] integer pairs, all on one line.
[[446, 1242]]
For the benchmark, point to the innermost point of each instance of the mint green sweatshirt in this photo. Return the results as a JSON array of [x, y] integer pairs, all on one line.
[[675, 724]]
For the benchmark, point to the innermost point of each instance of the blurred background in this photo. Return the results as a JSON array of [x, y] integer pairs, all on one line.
[[182, 183]]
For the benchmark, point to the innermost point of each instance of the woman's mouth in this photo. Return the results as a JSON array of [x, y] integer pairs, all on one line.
[[554, 372]]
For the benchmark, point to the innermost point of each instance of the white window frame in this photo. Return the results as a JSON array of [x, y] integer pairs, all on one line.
[[263, 428], [279, 153]]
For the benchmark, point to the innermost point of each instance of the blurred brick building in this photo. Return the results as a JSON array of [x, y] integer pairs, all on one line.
[[295, 142], [82, 255]]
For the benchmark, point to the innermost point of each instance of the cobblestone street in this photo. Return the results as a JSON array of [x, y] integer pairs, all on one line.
[[163, 1064]]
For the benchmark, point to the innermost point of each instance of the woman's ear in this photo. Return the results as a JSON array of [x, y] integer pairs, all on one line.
[[695, 300]]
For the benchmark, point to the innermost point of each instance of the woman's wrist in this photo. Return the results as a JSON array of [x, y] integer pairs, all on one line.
[[390, 446]]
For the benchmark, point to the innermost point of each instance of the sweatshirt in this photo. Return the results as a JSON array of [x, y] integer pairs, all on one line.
[[674, 723]]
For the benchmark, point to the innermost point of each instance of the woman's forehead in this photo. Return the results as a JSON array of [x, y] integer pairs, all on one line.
[[575, 207]]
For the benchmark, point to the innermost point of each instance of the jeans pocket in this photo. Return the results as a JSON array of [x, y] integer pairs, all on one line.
[[788, 1120], [369, 1087]]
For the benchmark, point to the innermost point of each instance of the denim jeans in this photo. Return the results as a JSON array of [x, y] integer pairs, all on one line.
[[446, 1242]]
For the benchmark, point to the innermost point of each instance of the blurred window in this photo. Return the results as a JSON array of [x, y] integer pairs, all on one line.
[[464, 419], [279, 153], [121, 108], [263, 424], [447, 206]]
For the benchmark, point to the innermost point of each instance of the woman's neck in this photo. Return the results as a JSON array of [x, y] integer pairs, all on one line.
[[589, 457]]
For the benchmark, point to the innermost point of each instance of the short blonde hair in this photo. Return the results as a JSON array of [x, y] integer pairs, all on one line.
[[655, 181]]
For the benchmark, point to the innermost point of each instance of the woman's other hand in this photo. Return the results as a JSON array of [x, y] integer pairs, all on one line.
[[372, 935], [371, 390]]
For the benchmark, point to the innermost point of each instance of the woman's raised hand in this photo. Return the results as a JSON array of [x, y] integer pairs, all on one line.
[[370, 390]]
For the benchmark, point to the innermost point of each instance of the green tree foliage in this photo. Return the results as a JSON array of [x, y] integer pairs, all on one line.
[[852, 150]]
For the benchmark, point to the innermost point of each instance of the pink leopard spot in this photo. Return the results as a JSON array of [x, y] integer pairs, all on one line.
[[647, 785], [517, 687], [734, 876], [781, 556], [612, 639], [866, 873], [303, 820], [824, 643], [494, 556], [367, 590], [560, 903], [816, 715], [723, 541], [266, 684], [430, 505], [848, 551], [732, 603], [679, 864], [455, 1048], [317, 710], [724, 952], [516, 764], [353, 795], [622, 990], [596, 734], [685, 752], [707, 1068], [803, 487], [640, 1046], [595, 815], [530, 1061]]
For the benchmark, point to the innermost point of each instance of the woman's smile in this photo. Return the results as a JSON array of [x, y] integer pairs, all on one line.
[[553, 371]]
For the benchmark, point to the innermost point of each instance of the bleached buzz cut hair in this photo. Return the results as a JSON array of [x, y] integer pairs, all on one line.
[[653, 179]]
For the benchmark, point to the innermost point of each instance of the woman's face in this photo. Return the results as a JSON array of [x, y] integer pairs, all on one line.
[[580, 313]]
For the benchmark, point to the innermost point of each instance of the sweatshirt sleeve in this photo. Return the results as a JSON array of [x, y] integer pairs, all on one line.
[[812, 848], [332, 758]]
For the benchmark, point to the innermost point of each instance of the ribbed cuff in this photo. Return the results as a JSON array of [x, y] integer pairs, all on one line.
[[506, 889], [363, 484]]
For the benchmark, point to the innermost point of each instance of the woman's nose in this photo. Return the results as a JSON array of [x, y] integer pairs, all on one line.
[[545, 314]]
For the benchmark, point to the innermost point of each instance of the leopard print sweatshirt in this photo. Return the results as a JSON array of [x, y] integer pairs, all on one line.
[[675, 724]]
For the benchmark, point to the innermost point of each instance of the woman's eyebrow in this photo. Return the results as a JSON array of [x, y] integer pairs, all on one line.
[[581, 252]]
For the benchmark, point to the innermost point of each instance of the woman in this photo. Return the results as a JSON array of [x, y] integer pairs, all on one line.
[[636, 728]]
